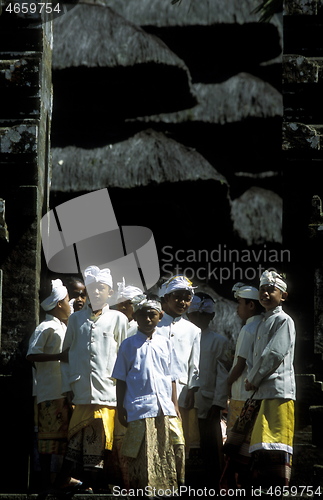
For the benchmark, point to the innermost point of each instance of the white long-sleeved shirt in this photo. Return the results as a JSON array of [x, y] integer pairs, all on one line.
[[93, 347], [185, 337], [47, 338], [271, 368], [148, 367], [213, 367], [244, 346]]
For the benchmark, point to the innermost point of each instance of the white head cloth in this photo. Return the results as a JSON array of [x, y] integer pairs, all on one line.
[[127, 292], [149, 303], [59, 292], [176, 283], [94, 274], [245, 291], [203, 305], [273, 278]]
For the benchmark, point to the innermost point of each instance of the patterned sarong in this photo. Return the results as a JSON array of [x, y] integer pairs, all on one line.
[[90, 433], [239, 436], [83, 415], [53, 420], [116, 463], [272, 442], [151, 459], [234, 411], [178, 441], [274, 427]]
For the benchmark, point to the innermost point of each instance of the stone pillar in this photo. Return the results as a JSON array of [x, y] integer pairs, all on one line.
[[26, 106], [316, 240], [303, 155]]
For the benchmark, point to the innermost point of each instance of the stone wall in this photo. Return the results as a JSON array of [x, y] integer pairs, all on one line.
[[25, 82], [303, 156]]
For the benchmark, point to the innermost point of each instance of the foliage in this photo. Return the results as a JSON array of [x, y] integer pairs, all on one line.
[[268, 8]]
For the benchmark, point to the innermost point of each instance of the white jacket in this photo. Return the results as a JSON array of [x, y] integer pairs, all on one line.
[[47, 338], [185, 337], [271, 368], [93, 348], [244, 347], [214, 364]]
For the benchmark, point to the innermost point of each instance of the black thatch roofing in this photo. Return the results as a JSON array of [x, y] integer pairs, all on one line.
[[148, 157], [241, 96], [213, 37], [257, 216], [106, 69], [95, 36], [186, 12]]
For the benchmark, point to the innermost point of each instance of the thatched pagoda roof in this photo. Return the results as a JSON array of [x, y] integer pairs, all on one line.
[[106, 69], [186, 12], [241, 96], [93, 35], [257, 216], [208, 34], [148, 157]]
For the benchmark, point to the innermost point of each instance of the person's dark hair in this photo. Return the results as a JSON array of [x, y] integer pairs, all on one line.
[[73, 280], [258, 307], [203, 296]]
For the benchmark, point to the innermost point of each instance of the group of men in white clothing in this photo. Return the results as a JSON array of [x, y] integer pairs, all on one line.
[[95, 369]]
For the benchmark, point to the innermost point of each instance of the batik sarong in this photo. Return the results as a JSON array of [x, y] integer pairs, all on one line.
[[90, 433], [53, 420], [234, 411], [151, 459], [116, 462], [271, 442], [178, 440]]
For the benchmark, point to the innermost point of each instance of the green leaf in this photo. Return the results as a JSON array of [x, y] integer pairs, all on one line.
[[268, 8]]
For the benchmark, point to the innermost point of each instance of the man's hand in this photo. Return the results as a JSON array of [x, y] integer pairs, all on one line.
[[122, 416], [189, 400], [64, 355], [249, 387], [214, 412]]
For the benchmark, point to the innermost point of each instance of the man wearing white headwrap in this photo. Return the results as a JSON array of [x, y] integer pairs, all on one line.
[[212, 395], [249, 311], [146, 371], [125, 297], [273, 278], [93, 337], [176, 283], [271, 375], [177, 294], [59, 292], [237, 470], [45, 352]]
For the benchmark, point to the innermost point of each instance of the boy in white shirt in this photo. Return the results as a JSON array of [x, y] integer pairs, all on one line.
[[250, 312], [271, 375], [237, 471], [125, 297], [146, 372], [45, 352], [177, 294], [212, 395], [76, 293], [93, 337]]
